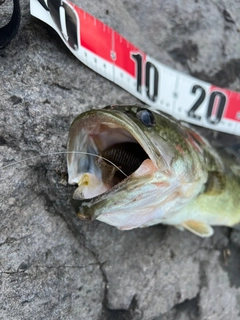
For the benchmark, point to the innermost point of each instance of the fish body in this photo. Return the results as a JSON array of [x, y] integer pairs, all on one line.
[[173, 175]]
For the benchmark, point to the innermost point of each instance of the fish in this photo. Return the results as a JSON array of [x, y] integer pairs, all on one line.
[[136, 167]]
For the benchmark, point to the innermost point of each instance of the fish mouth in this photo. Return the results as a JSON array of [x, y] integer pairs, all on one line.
[[105, 149]]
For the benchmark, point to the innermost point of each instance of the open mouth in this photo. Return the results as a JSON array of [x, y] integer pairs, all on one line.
[[108, 154]]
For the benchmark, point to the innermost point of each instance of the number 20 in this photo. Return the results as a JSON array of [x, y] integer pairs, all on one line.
[[215, 108]]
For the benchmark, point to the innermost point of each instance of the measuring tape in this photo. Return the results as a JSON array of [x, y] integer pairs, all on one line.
[[108, 53]]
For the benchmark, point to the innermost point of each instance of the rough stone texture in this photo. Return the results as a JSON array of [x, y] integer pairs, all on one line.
[[53, 266]]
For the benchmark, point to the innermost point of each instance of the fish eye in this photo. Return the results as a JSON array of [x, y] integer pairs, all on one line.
[[146, 116]]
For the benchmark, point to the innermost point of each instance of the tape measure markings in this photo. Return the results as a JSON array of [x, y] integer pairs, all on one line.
[[111, 55]]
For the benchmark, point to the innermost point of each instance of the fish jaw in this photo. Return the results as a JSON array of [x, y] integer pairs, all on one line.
[[152, 198]]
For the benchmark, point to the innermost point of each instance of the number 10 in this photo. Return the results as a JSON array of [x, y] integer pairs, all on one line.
[[151, 77]]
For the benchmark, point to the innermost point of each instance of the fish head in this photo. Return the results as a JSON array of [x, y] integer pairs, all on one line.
[[134, 167]]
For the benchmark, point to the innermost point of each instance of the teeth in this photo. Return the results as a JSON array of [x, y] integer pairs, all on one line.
[[89, 186]]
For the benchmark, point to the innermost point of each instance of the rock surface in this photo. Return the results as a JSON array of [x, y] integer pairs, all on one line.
[[56, 267]]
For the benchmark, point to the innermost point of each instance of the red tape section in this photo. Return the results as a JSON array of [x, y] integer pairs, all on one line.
[[231, 109], [107, 44]]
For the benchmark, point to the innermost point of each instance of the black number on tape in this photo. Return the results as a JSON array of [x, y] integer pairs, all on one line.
[[216, 107], [138, 59], [65, 19], [151, 81], [151, 77], [191, 112]]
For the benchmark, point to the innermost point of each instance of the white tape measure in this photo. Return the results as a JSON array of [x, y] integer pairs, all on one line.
[[108, 53]]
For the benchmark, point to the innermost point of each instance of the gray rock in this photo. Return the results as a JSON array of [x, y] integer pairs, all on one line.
[[56, 267]]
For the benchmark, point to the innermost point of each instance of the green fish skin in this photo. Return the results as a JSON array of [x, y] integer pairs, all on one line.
[[181, 180]]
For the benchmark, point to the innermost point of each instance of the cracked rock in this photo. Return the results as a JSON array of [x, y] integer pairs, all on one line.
[[53, 266]]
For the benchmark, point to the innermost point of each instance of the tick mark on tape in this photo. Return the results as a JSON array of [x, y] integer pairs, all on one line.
[[113, 55]]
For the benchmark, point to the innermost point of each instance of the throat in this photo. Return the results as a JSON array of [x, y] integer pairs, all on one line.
[[126, 156]]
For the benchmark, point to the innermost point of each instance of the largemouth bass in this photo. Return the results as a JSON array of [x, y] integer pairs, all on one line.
[[135, 168]]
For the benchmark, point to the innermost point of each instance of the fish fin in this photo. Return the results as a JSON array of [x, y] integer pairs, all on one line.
[[199, 228], [215, 184], [179, 227]]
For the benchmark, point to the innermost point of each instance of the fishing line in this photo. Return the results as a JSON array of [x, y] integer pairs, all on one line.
[[65, 152]]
